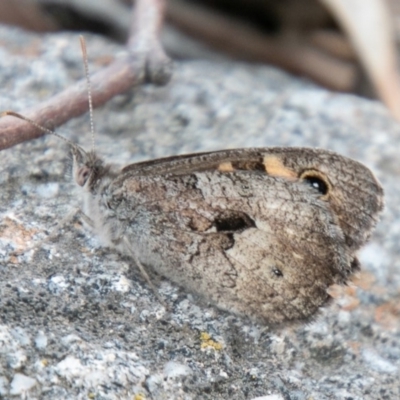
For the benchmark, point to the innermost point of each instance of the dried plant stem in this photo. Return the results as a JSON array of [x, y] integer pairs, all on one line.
[[240, 40], [145, 62]]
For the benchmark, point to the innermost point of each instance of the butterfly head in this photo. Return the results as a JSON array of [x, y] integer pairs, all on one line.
[[89, 169]]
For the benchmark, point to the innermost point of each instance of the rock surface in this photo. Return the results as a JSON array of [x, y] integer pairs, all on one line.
[[78, 321]]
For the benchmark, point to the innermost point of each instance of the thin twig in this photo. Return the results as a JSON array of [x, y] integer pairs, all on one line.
[[334, 43], [145, 62]]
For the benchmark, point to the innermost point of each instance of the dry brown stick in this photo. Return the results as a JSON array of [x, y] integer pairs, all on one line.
[[240, 40], [145, 62], [333, 43]]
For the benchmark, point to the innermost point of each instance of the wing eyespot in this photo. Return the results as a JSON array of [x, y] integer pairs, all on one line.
[[318, 181]]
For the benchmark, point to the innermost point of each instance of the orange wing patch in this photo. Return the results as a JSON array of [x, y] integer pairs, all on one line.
[[274, 167], [226, 167]]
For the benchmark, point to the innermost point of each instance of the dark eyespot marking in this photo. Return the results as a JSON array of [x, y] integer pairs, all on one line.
[[233, 221], [317, 180], [277, 272], [318, 184]]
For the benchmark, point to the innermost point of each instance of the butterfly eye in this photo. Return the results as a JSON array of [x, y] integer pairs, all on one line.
[[317, 180], [82, 175]]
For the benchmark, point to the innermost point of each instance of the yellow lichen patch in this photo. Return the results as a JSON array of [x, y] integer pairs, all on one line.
[[139, 396], [206, 341], [12, 231], [45, 362], [274, 167], [226, 167]]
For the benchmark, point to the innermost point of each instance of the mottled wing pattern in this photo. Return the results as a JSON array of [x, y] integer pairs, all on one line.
[[355, 195], [260, 232], [254, 244]]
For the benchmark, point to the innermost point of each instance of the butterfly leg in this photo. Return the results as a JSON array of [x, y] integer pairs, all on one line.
[[143, 272]]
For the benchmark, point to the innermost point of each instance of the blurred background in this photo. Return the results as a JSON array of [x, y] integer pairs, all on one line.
[[344, 45]]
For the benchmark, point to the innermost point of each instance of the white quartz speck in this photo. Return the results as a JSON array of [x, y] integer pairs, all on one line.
[[21, 383], [41, 341], [48, 190], [378, 363], [173, 369]]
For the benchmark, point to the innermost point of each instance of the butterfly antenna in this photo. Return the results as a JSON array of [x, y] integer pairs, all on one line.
[[88, 85], [41, 127]]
